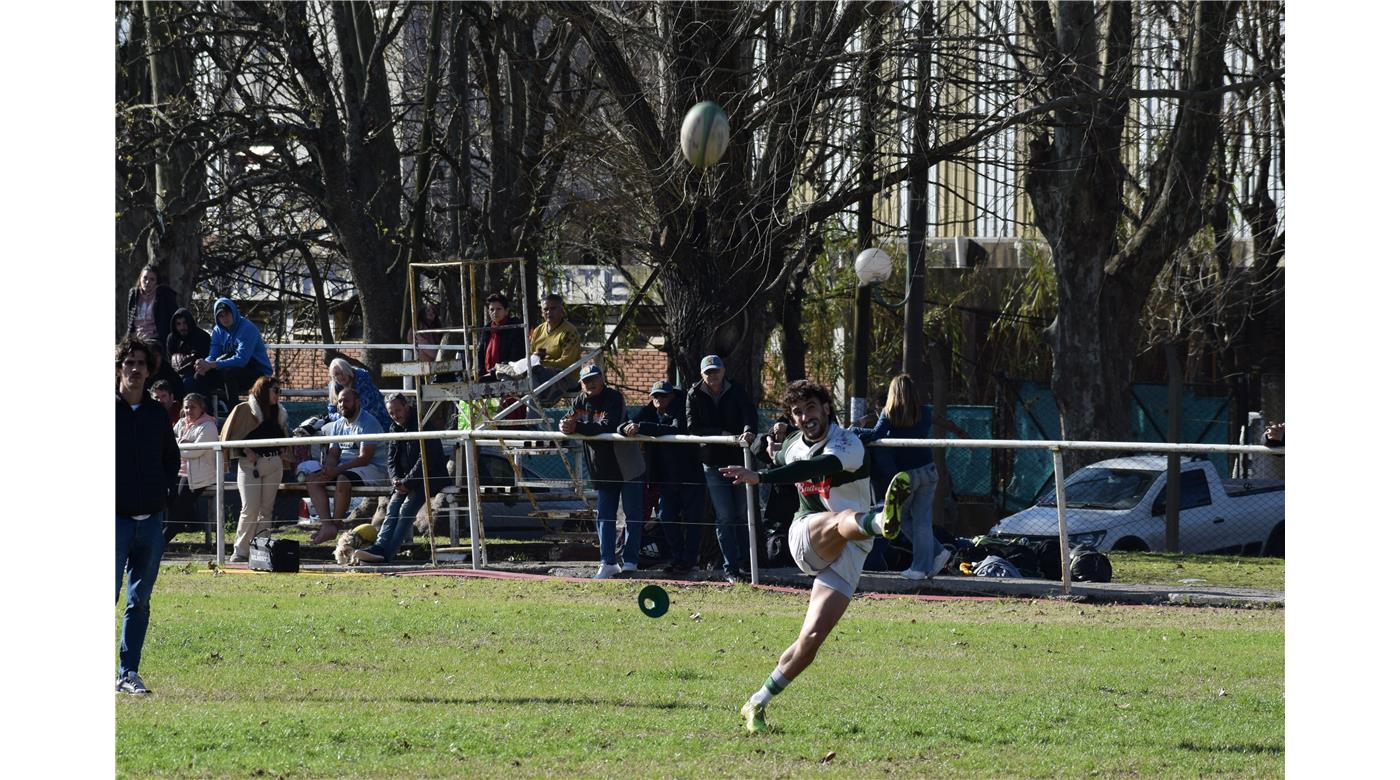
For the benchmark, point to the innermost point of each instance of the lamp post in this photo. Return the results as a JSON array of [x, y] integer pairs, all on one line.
[[872, 267]]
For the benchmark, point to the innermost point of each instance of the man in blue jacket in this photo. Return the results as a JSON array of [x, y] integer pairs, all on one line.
[[148, 465], [237, 354]]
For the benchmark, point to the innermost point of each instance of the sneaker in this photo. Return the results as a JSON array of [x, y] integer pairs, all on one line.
[[735, 577], [913, 574], [895, 496], [132, 684], [365, 556], [629, 566], [607, 571], [236, 558], [940, 561], [753, 717]]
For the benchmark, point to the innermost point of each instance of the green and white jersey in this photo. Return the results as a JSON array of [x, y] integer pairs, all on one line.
[[846, 489]]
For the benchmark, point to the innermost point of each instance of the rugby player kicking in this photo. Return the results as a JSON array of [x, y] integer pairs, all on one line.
[[832, 530]]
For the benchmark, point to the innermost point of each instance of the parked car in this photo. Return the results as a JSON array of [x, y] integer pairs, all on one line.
[[1120, 504]]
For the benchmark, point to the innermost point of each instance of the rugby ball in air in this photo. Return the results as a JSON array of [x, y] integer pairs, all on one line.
[[704, 134]]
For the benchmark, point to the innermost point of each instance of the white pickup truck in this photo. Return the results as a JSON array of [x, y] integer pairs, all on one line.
[[1120, 504]]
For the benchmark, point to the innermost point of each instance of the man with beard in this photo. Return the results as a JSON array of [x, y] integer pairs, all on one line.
[[832, 531]]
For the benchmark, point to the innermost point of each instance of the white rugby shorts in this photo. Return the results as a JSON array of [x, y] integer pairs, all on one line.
[[841, 575]]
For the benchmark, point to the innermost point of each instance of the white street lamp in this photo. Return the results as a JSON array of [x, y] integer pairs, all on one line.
[[873, 266]]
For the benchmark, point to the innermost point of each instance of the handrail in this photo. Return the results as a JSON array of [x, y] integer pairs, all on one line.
[[1056, 448], [355, 345], [495, 435]]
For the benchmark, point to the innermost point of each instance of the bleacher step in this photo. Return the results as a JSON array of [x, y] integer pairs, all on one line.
[[417, 368]]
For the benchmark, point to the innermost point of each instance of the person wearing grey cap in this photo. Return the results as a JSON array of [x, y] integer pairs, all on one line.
[[717, 406], [617, 470], [674, 470]]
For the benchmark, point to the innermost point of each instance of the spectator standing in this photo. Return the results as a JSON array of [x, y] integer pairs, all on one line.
[[196, 467], [148, 460], [904, 417], [675, 470], [344, 375], [163, 393], [346, 464], [186, 343], [617, 470], [259, 468], [716, 406], [149, 307], [556, 342], [406, 463], [237, 355]]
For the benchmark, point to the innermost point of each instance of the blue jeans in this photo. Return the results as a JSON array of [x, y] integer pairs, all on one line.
[[398, 523], [682, 515], [139, 547], [632, 495], [731, 519], [918, 524]]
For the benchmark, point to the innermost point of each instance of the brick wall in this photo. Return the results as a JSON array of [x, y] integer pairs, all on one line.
[[304, 368], [635, 370]]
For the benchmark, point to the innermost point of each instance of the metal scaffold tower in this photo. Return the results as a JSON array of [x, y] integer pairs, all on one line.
[[484, 403]]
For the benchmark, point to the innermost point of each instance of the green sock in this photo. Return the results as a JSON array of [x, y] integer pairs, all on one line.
[[873, 523]]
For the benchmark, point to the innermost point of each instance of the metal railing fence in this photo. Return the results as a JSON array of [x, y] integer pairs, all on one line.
[[1067, 487]]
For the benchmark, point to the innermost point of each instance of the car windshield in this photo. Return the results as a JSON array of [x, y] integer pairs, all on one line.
[[1102, 489]]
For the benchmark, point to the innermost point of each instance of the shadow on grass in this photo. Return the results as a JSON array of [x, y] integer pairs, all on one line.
[[526, 701], [1232, 747]]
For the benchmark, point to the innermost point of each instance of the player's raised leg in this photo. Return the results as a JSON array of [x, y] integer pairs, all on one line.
[[824, 609]]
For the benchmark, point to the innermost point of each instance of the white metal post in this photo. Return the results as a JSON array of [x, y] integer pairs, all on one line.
[[219, 505], [473, 500], [1058, 456], [751, 504], [454, 533]]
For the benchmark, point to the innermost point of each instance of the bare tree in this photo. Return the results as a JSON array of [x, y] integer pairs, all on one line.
[[1076, 182]]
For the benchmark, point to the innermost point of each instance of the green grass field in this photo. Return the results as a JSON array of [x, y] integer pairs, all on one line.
[[360, 675]]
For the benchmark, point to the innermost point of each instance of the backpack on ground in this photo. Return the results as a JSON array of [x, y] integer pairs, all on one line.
[[1089, 565], [995, 566]]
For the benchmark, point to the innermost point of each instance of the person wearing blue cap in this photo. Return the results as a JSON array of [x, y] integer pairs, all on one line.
[[617, 470], [674, 469], [716, 406]]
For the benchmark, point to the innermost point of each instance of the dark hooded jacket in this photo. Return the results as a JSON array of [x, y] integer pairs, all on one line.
[[194, 344], [404, 463], [166, 304], [240, 345]]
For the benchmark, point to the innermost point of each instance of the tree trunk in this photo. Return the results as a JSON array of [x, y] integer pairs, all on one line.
[[175, 244], [1075, 181]]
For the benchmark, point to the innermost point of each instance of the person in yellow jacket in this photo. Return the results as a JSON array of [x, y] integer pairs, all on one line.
[[556, 342]]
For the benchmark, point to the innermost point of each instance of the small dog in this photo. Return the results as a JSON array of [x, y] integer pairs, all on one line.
[[352, 542]]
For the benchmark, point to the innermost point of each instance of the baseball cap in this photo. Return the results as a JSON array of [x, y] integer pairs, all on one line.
[[590, 371], [710, 361], [662, 387]]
